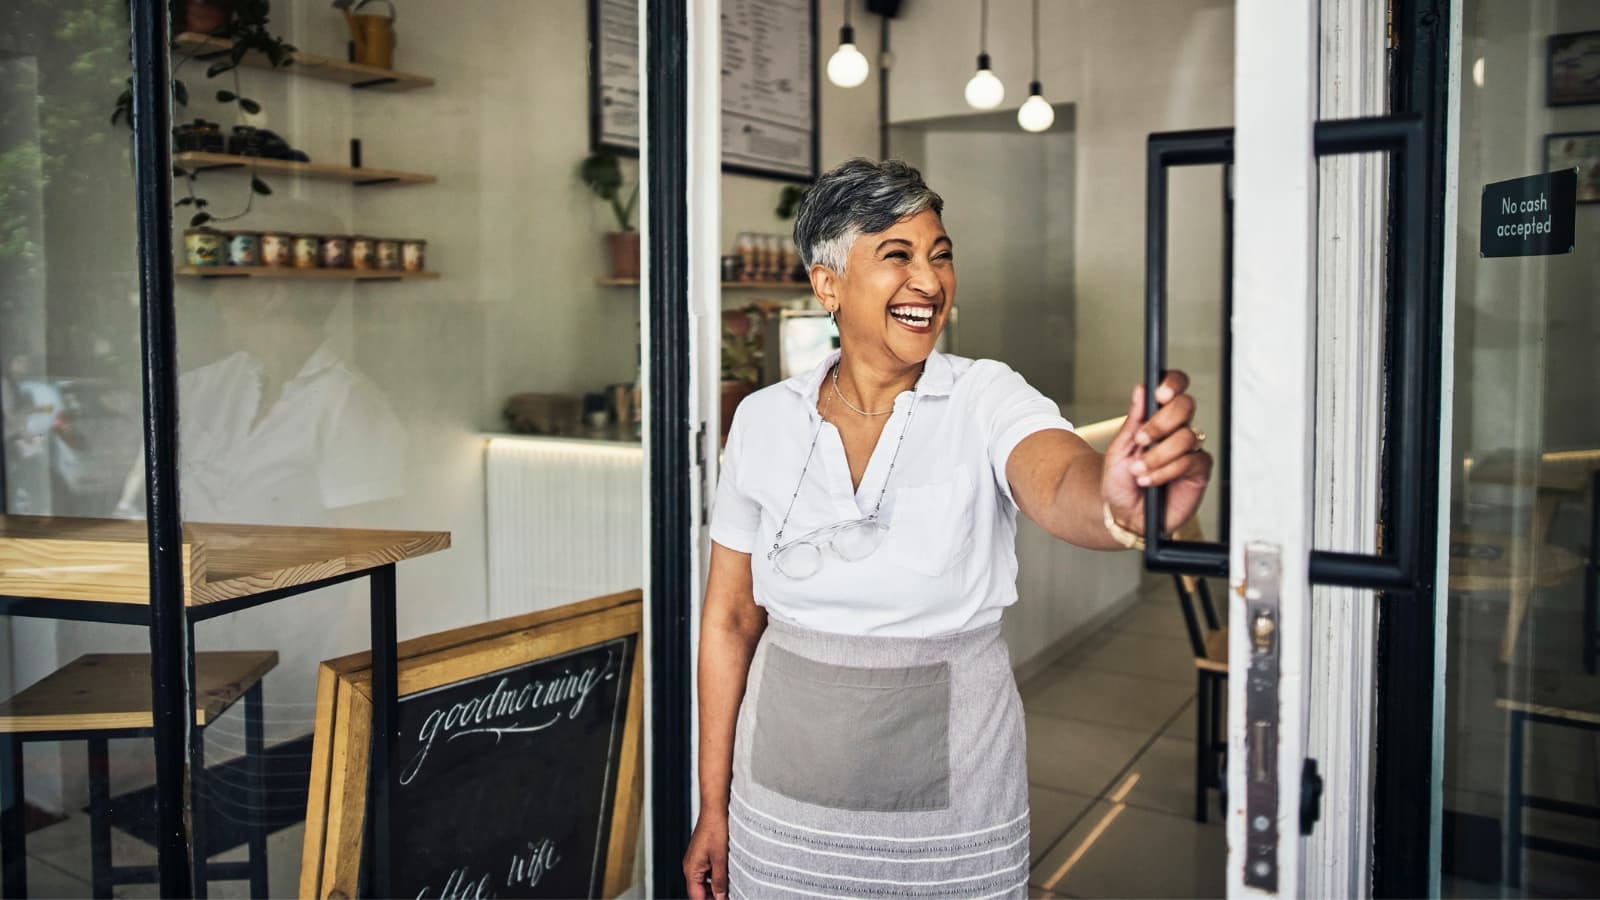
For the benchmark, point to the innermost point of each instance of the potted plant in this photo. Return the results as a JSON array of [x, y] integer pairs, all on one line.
[[602, 172], [244, 23], [742, 354]]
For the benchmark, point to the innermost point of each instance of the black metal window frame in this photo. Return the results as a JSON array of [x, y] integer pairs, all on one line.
[[1404, 850]]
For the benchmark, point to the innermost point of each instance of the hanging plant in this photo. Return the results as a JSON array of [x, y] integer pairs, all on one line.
[[244, 23]]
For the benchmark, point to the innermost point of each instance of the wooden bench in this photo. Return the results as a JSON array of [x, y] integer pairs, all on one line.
[[101, 696]]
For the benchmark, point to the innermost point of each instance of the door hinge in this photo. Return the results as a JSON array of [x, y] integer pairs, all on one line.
[[700, 463]]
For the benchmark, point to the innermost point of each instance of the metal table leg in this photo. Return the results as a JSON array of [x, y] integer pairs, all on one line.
[[13, 836], [1202, 745], [385, 708], [199, 802], [1591, 583], [1513, 827], [255, 765], [100, 815]]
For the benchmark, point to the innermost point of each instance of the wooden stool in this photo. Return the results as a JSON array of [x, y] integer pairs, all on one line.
[[1560, 700], [100, 696]]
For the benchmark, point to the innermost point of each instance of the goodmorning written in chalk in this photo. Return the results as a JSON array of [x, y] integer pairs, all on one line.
[[508, 708]]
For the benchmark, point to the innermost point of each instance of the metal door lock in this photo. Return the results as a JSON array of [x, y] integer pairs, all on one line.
[[1263, 566]]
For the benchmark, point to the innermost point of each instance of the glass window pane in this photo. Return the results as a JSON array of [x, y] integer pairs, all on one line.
[[1520, 676], [70, 407]]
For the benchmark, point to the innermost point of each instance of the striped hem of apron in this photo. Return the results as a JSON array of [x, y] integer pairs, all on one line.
[[879, 768]]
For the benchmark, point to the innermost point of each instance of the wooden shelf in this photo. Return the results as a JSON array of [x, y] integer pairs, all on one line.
[[307, 274], [726, 285], [309, 65], [212, 162]]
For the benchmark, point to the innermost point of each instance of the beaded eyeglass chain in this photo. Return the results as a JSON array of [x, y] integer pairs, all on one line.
[[777, 539]]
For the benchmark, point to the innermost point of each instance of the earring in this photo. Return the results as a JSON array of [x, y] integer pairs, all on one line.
[[833, 316]]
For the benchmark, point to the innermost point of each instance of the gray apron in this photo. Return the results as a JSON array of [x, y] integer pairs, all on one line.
[[879, 767]]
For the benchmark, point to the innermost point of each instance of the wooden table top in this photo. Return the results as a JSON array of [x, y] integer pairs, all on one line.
[[1498, 562], [110, 691], [107, 560]]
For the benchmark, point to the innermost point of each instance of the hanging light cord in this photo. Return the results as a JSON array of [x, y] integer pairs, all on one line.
[[983, 28], [847, 13], [1035, 40]]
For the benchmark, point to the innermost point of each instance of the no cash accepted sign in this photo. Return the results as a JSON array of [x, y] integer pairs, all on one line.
[[1531, 216]]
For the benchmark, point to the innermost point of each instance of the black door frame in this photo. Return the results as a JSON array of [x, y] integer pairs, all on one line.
[[666, 154], [1403, 857]]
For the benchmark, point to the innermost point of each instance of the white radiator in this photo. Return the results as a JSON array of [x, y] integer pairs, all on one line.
[[565, 521]]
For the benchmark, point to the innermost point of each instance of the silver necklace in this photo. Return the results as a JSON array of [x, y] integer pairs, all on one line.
[[846, 400]]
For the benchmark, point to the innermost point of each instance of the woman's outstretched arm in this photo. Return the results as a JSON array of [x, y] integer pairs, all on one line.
[[1061, 483]]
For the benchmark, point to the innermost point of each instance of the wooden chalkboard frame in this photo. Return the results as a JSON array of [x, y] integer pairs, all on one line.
[[336, 808]]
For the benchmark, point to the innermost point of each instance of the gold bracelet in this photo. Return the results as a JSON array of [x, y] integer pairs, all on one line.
[[1119, 534]]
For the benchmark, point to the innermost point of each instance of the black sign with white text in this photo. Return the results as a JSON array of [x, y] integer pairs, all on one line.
[[504, 783], [1532, 216]]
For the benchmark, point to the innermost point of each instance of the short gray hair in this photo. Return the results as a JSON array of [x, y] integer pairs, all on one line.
[[857, 197]]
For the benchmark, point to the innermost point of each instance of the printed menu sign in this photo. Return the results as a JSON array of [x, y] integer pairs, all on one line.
[[1532, 216], [769, 61], [614, 27], [504, 784]]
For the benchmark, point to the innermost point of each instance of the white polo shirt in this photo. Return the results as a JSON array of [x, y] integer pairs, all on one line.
[[948, 562]]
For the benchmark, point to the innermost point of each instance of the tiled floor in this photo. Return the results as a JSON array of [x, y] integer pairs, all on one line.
[[1111, 766]]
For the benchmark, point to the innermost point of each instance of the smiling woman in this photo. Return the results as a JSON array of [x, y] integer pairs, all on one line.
[[860, 725]]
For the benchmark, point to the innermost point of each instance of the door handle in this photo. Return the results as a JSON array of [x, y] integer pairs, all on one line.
[[1395, 566]]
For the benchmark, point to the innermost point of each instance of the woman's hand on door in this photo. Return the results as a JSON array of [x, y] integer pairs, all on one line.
[[1165, 450]]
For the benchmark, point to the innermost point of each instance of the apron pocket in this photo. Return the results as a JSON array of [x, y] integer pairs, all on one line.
[[866, 739]]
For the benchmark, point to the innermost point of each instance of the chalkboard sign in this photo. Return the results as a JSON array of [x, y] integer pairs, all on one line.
[[505, 781], [516, 771]]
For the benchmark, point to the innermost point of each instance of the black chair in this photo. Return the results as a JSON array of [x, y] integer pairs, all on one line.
[[1209, 642]]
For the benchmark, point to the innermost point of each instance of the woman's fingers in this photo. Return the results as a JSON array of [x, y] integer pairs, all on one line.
[[1190, 464], [719, 875], [1172, 416], [1156, 458], [1175, 383], [695, 868]]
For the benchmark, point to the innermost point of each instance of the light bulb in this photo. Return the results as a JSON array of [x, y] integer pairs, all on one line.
[[984, 90], [847, 67], [1036, 114]]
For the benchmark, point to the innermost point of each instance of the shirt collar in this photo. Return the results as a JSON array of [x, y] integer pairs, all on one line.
[[938, 377]]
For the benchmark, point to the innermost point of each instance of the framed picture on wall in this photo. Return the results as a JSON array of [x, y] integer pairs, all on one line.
[[1576, 150], [770, 96], [1573, 75]]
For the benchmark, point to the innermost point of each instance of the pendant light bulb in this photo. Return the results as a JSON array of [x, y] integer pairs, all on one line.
[[847, 67], [984, 90], [1036, 114]]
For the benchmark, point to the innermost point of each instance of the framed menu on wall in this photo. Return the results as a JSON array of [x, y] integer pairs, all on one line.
[[769, 84]]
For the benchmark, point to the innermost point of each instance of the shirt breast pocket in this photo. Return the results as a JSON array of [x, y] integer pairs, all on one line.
[[931, 526]]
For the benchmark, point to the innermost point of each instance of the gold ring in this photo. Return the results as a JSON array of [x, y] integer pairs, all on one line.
[[1199, 437]]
